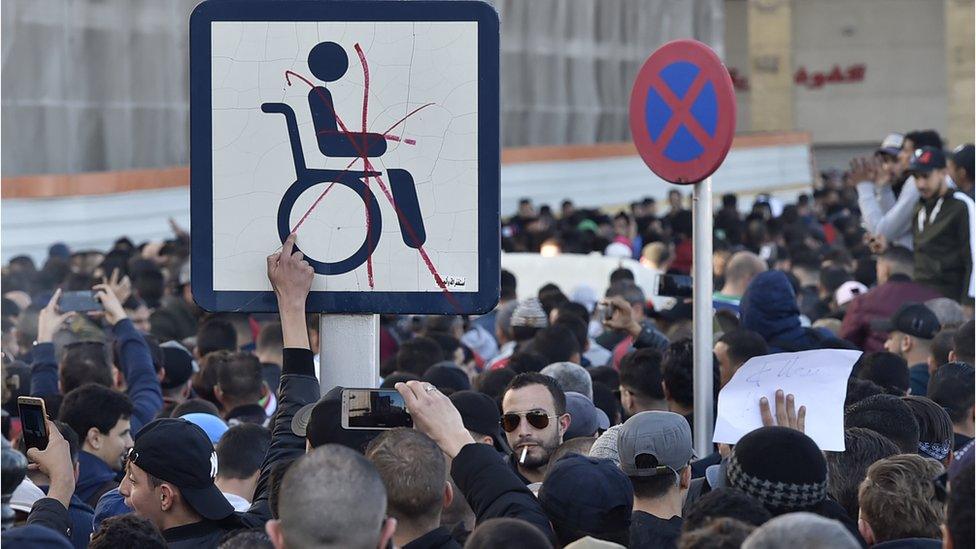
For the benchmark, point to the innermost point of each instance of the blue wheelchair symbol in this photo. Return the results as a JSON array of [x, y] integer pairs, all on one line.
[[329, 62]]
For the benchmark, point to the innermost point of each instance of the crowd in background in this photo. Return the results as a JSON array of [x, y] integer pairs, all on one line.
[[559, 419]]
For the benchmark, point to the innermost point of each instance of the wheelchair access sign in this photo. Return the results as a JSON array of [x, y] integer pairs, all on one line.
[[682, 112], [368, 129]]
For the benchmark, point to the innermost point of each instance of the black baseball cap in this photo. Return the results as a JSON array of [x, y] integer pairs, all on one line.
[[180, 453], [913, 319], [321, 423], [479, 413], [927, 159], [591, 494], [963, 156]]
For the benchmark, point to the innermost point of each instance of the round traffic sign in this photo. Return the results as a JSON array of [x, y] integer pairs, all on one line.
[[682, 111]]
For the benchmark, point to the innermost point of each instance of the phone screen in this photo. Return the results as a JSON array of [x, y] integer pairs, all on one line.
[[82, 301], [374, 409], [32, 422]]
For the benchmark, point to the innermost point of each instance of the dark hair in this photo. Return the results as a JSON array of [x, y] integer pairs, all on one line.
[[725, 503], [925, 138], [448, 343], [605, 399], [508, 285], [413, 470], [494, 382], [744, 344], [640, 372], [550, 296], [216, 334], [149, 285], [195, 406], [270, 337], [959, 508], [606, 375], [721, 533], [506, 532], [934, 423], [888, 416], [204, 380], [557, 343], [621, 274], [417, 354], [653, 487], [900, 256], [888, 370], [391, 380], [677, 369], [574, 309], [846, 470], [93, 405], [127, 530], [964, 343], [239, 378], [832, 278], [577, 326], [859, 389], [535, 378], [527, 361], [251, 538], [951, 387], [84, 362], [241, 450], [942, 343]]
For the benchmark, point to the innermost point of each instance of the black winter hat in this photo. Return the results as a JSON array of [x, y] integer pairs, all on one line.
[[781, 467]]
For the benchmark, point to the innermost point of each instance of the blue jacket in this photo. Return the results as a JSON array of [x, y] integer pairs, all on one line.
[[93, 474], [769, 308], [135, 364]]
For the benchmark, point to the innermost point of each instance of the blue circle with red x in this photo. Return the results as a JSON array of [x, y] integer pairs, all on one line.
[[682, 111]]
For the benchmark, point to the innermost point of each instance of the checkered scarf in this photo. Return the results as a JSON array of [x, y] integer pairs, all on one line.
[[783, 495]]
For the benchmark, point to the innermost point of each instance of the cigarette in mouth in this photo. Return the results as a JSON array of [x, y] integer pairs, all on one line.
[[525, 450]]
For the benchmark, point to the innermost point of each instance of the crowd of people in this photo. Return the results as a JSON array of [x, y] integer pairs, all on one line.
[[561, 419]]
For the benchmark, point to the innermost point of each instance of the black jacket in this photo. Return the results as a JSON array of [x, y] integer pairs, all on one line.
[[493, 490], [650, 532], [438, 538]]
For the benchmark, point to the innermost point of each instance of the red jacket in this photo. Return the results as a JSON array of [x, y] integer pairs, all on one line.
[[880, 303]]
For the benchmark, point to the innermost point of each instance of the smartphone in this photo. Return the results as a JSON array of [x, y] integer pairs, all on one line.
[[32, 416], [374, 409], [604, 312], [675, 286], [83, 302]]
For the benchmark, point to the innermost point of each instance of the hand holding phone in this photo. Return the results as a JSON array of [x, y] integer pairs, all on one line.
[[80, 302], [435, 415], [33, 418], [51, 318]]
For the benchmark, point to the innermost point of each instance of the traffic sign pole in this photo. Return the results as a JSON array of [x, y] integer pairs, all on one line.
[[349, 351], [682, 121], [702, 316]]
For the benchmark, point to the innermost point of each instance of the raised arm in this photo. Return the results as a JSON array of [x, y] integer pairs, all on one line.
[[44, 366], [135, 361], [291, 278]]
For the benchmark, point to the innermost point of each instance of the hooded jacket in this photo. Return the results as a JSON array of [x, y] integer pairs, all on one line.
[[769, 308]]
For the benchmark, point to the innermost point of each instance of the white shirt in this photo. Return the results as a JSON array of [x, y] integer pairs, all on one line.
[[237, 502]]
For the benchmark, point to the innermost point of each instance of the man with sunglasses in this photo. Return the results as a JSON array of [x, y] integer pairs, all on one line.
[[534, 419]]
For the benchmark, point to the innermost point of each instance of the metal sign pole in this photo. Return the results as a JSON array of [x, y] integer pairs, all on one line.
[[349, 351], [702, 306]]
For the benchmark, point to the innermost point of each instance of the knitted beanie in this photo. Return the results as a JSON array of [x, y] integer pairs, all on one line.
[[781, 467]]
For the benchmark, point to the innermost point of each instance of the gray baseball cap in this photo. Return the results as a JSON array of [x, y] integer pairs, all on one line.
[[654, 443]]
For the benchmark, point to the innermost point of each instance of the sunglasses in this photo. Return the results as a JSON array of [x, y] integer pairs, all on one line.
[[130, 456], [536, 418]]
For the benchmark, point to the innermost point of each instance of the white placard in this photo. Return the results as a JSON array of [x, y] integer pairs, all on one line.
[[817, 379]]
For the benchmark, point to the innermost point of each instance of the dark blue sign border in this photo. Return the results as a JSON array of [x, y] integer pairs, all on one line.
[[489, 154]]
